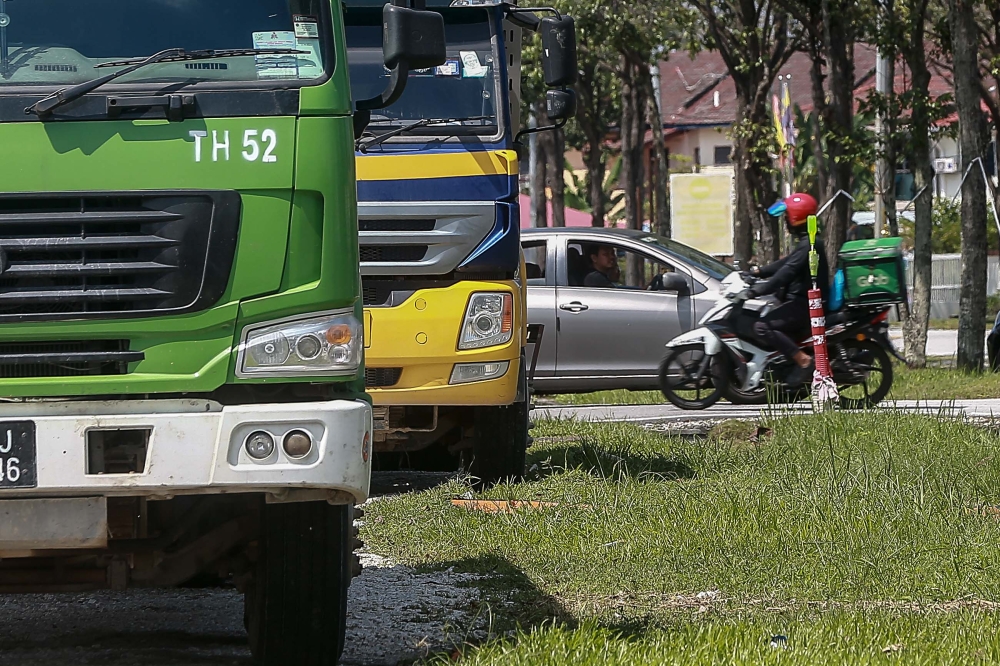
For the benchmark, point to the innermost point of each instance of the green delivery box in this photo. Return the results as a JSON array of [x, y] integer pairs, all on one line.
[[873, 271]]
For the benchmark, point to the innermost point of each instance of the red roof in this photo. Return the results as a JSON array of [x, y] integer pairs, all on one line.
[[699, 92]]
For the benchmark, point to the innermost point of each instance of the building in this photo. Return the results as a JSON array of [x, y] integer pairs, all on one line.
[[698, 102]]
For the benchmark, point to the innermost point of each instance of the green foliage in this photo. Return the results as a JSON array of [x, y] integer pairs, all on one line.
[[861, 146], [946, 227], [577, 190]]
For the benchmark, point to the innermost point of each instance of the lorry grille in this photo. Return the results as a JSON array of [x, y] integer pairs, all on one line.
[[67, 256], [421, 238], [403, 224], [382, 377], [66, 359], [393, 253]]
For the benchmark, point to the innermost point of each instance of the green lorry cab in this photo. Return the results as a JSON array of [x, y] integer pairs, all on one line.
[[181, 339]]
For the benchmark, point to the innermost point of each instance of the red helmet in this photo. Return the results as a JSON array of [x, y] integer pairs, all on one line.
[[798, 207]]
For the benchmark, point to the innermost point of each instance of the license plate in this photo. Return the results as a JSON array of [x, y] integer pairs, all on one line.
[[17, 454]]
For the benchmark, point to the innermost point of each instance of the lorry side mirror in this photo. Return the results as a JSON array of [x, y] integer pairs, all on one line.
[[558, 50], [560, 104], [411, 39], [412, 36]]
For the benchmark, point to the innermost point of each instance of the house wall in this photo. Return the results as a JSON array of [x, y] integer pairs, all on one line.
[[682, 146]]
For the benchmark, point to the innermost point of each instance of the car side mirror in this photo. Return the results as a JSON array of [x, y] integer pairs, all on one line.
[[558, 50], [411, 39], [675, 282], [560, 104]]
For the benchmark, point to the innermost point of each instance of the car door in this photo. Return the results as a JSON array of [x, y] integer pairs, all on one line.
[[614, 331], [539, 258]]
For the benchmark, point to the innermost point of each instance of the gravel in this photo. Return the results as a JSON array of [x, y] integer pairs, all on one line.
[[396, 615]]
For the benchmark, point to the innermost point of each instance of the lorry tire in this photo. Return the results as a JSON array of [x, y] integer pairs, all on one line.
[[500, 447], [296, 604]]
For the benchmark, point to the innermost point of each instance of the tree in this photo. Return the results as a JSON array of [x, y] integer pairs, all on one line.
[[972, 130], [923, 113], [753, 39], [831, 28]]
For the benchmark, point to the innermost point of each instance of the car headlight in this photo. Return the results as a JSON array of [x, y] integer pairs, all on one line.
[[329, 344], [488, 321]]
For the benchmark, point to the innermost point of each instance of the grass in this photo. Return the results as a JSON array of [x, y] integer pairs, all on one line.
[[845, 532], [924, 384]]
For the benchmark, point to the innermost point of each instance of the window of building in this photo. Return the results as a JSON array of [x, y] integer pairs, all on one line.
[[723, 155]]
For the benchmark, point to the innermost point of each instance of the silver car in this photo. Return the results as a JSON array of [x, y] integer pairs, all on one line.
[[612, 336]]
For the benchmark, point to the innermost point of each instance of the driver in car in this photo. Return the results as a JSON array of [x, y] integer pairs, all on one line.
[[604, 267], [790, 280]]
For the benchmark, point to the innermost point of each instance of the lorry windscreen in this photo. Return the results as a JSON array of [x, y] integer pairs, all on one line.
[[64, 42], [464, 86]]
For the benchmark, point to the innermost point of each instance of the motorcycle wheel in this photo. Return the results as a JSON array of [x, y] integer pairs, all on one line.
[[874, 362], [679, 382]]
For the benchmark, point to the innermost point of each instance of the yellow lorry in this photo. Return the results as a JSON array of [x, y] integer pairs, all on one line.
[[438, 220]]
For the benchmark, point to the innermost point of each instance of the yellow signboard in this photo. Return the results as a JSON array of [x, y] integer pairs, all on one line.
[[701, 211]]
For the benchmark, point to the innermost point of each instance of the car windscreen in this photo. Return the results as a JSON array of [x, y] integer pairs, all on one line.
[[699, 259], [61, 42], [465, 86]]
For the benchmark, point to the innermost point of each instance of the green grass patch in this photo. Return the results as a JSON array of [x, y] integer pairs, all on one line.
[[968, 637], [924, 384], [835, 530]]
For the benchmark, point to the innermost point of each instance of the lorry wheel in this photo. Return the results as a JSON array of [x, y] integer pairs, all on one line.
[[499, 450], [296, 604]]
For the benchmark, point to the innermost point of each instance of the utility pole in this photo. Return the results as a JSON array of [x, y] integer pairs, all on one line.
[[883, 170], [533, 167]]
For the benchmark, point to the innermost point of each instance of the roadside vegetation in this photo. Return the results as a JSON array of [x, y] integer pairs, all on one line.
[[924, 384], [839, 538]]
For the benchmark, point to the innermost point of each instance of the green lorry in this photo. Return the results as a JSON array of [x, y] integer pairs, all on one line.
[[181, 347]]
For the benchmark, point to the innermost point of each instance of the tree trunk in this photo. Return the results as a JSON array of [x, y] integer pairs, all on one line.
[[556, 168], [539, 199], [917, 315], [660, 221], [594, 158], [743, 226], [889, 178], [816, 77], [839, 124], [972, 299], [631, 127]]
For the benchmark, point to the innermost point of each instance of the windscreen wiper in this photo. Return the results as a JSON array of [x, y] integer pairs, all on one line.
[[364, 144], [47, 105]]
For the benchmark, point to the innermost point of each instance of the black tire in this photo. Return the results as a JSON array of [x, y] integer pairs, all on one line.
[[296, 604], [678, 378], [500, 446], [878, 375]]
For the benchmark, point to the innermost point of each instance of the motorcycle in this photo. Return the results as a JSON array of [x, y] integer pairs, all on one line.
[[723, 358]]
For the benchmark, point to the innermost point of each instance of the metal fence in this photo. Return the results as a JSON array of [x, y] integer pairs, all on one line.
[[946, 281]]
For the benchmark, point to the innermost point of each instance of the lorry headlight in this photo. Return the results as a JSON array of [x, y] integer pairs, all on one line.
[[329, 344], [488, 321]]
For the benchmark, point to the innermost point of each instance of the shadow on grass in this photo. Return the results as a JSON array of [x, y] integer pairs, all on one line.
[[605, 462]]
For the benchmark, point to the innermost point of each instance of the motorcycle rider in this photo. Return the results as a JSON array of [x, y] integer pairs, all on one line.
[[790, 280]]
